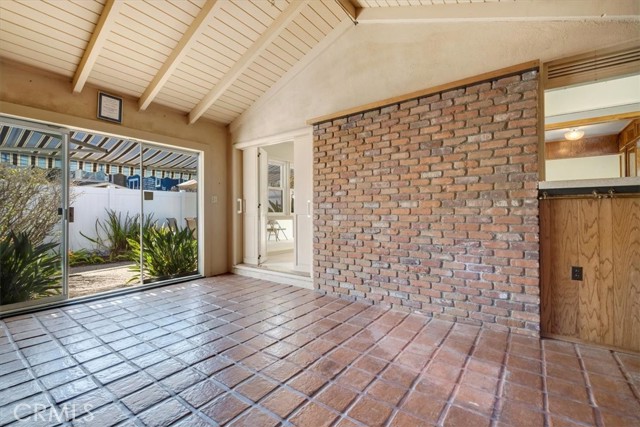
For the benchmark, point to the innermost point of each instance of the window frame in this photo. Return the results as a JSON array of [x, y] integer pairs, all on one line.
[[285, 189]]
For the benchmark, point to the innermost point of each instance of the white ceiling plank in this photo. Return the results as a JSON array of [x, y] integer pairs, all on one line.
[[285, 51], [318, 20], [278, 65], [98, 39], [254, 52], [36, 59], [130, 29], [103, 77], [25, 25], [266, 70], [42, 41], [328, 15], [119, 47], [250, 82], [197, 76], [304, 30], [504, 11], [237, 91], [249, 90], [148, 18], [342, 28], [186, 43]]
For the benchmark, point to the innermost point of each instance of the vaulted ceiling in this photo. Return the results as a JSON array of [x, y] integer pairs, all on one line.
[[207, 58]]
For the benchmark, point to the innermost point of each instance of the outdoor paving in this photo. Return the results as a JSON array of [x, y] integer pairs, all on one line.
[[236, 351]]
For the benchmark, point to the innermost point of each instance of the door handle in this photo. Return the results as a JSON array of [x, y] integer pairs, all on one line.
[[239, 205], [70, 214], [309, 208]]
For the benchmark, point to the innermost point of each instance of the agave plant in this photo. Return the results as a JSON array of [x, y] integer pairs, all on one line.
[[27, 271], [114, 233], [166, 252]]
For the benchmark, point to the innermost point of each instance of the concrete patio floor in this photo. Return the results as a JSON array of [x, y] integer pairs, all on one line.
[[236, 351]]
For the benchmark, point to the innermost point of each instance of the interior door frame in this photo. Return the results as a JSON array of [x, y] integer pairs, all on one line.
[[263, 204], [250, 195]]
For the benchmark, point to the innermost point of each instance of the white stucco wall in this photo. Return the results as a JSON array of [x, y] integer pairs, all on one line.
[[370, 62]]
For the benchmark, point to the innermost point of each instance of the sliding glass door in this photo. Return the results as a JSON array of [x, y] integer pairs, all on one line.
[[170, 211], [83, 213], [32, 195], [104, 195]]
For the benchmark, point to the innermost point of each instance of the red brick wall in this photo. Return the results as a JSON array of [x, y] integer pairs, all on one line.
[[431, 205]]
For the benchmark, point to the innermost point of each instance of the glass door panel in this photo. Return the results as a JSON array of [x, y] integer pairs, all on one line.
[[104, 194], [32, 193], [169, 183]]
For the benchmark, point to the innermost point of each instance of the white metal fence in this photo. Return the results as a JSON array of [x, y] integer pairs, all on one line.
[[91, 204]]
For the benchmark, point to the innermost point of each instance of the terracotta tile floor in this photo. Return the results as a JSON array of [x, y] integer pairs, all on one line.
[[237, 351]]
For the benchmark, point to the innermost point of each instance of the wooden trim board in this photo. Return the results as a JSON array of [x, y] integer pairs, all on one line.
[[590, 344], [492, 75], [592, 120]]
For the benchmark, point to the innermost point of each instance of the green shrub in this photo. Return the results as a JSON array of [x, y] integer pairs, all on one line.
[[30, 200], [27, 271], [167, 253], [84, 257], [113, 234]]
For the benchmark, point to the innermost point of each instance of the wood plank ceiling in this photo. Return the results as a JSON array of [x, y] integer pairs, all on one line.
[[207, 58]]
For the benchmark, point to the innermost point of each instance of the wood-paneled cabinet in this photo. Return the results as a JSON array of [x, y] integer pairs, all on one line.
[[629, 147], [603, 237]]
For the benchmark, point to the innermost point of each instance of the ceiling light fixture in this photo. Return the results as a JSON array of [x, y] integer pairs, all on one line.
[[574, 134]]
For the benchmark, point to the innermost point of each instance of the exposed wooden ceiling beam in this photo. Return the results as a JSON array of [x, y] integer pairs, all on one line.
[[196, 28], [350, 9], [504, 11], [108, 17], [247, 59]]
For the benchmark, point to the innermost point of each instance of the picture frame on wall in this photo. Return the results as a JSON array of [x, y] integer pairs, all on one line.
[[109, 107]]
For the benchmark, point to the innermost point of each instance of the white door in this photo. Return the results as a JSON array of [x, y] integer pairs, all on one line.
[[303, 163], [251, 201], [263, 204]]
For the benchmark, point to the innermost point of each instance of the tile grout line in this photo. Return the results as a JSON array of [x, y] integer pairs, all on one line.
[[130, 363], [545, 385], [376, 376], [236, 363], [114, 398], [497, 406], [363, 353], [627, 377], [29, 368], [95, 312], [210, 377], [415, 381], [284, 385], [456, 387], [592, 398]]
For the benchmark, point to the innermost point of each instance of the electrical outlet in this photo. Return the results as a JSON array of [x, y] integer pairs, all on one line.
[[214, 199], [576, 273]]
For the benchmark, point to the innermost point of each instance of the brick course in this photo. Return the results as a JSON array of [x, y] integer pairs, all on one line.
[[431, 205]]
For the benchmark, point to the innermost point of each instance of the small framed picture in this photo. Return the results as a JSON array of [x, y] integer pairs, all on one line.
[[109, 107]]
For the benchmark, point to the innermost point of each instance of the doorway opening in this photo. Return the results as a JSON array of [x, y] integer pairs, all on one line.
[[277, 209], [279, 192]]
